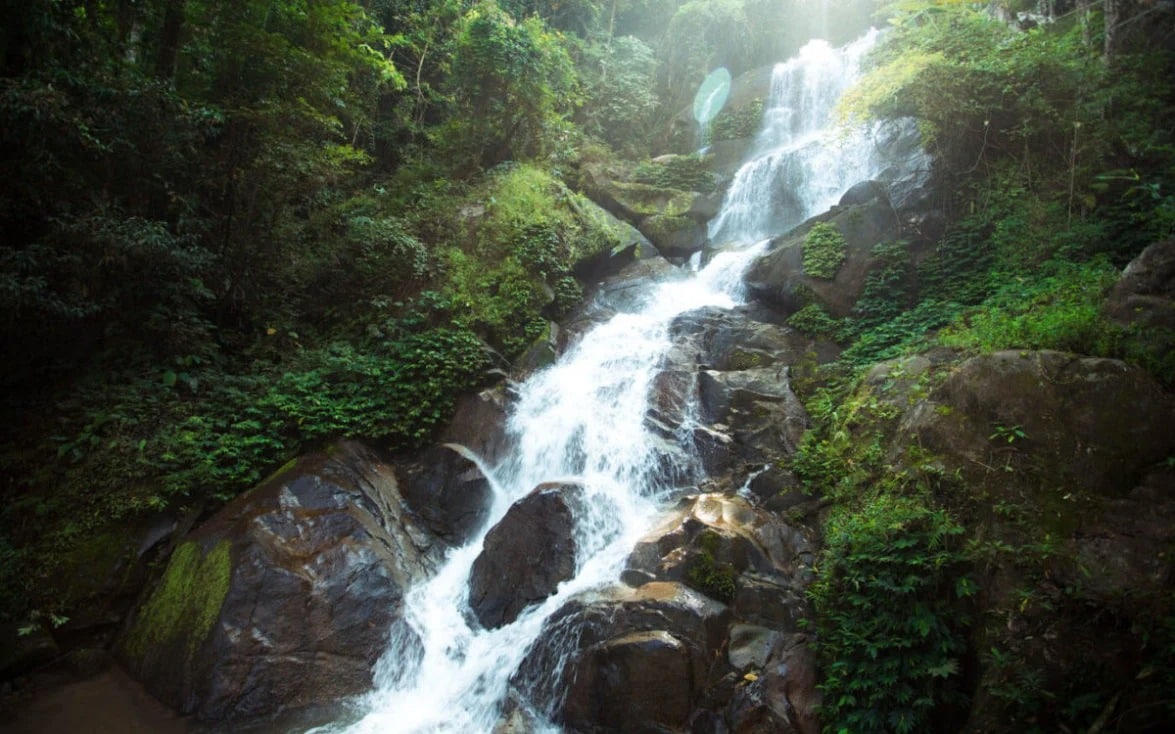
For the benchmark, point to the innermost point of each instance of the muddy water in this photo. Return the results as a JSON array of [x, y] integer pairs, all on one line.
[[110, 703]]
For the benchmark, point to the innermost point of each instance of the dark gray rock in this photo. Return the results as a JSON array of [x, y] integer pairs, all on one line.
[[479, 423], [447, 490], [632, 660], [284, 599], [526, 555], [778, 277], [865, 192], [1145, 294]]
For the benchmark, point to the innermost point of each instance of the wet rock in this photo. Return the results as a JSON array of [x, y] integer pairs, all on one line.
[[735, 340], [676, 237], [767, 420], [864, 193], [778, 277], [626, 292], [633, 660], [526, 555], [447, 490], [712, 539], [479, 423], [284, 598]]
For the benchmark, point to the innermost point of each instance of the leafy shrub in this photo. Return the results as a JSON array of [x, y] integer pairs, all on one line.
[[812, 319], [890, 634], [1061, 310], [683, 172], [735, 124], [824, 251]]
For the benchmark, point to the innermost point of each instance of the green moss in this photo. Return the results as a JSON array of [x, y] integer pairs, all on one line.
[[646, 200], [186, 603], [746, 360], [734, 123], [680, 172], [709, 576], [661, 227], [824, 251]]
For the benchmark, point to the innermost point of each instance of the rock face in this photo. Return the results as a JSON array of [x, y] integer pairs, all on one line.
[[1146, 290], [633, 660], [526, 555], [707, 641], [727, 383], [778, 277], [1088, 424], [1060, 464], [1143, 301], [285, 598], [447, 490]]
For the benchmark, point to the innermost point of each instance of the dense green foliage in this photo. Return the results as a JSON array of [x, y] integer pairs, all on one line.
[[824, 251], [236, 231], [1061, 169], [884, 605]]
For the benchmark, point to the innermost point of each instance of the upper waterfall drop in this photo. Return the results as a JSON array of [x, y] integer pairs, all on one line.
[[801, 161]]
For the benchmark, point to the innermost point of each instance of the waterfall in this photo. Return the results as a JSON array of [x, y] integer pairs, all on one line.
[[584, 419], [802, 161]]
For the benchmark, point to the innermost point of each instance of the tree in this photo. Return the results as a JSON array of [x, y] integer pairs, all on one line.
[[513, 84]]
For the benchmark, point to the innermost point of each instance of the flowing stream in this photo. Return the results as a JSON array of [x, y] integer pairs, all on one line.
[[583, 418]]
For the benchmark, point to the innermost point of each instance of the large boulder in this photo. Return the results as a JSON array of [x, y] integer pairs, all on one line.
[[765, 418], [733, 551], [1145, 294], [285, 598], [1059, 466], [737, 339], [725, 387], [526, 555], [675, 236], [1143, 301], [632, 660], [1044, 422], [779, 278], [479, 423], [760, 566], [445, 487]]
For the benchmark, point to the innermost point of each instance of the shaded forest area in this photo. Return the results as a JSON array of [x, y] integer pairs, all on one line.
[[230, 230]]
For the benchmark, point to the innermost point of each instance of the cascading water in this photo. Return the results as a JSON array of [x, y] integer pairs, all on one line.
[[584, 419]]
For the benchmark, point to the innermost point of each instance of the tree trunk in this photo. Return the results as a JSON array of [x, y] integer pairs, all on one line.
[[169, 40], [1083, 7], [1118, 14]]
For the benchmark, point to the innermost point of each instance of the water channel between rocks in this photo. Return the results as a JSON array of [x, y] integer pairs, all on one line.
[[584, 420]]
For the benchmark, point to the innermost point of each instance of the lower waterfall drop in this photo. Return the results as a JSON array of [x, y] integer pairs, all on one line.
[[584, 419]]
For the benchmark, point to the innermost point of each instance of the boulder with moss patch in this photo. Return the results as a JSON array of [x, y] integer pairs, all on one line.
[[285, 598], [825, 260]]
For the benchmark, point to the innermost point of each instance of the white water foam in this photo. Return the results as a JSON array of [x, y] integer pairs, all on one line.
[[583, 419]]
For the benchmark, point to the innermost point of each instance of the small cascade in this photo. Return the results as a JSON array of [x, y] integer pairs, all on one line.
[[584, 420]]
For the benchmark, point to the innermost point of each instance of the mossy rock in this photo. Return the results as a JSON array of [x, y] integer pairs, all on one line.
[[674, 236], [186, 603], [284, 599]]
